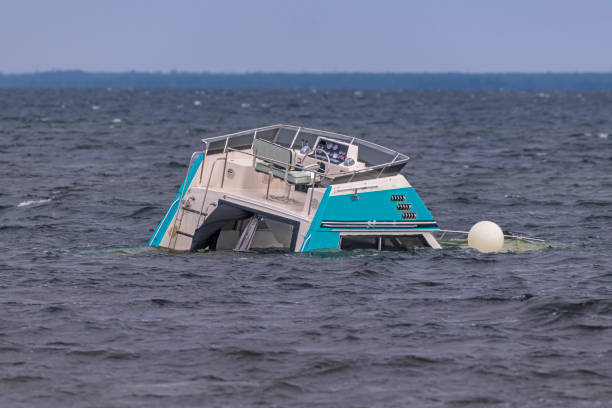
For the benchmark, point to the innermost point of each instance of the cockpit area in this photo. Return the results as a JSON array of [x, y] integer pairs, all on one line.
[[333, 158]]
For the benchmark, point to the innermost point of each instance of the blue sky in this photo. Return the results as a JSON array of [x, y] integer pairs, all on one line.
[[306, 36]]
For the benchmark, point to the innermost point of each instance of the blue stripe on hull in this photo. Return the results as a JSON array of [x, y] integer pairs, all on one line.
[[369, 206], [161, 229]]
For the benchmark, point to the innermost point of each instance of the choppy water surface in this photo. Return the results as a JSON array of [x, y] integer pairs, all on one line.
[[90, 317]]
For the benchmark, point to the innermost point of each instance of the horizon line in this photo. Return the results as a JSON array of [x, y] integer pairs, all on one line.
[[175, 72]]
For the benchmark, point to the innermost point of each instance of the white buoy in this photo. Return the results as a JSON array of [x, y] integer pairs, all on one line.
[[486, 236]]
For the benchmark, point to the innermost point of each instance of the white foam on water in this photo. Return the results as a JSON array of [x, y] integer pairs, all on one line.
[[117, 120], [603, 135], [33, 202], [197, 103], [95, 107], [245, 105]]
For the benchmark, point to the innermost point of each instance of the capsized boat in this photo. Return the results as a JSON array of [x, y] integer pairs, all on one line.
[[296, 189]]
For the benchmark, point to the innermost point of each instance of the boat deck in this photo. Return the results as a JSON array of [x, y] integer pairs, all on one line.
[[240, 182]]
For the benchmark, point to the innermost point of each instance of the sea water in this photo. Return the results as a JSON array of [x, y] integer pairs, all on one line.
[[89, 316]]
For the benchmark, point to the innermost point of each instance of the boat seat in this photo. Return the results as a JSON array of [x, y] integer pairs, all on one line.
[[293, 176], [280, 162]]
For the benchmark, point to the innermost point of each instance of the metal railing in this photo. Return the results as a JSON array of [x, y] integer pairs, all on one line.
[[298, 129], [330, 177]]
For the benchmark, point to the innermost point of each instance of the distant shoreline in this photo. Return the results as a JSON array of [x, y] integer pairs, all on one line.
[[185, 80]]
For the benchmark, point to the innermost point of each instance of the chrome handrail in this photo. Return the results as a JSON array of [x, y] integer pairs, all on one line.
[[318, 132], [326, 175]]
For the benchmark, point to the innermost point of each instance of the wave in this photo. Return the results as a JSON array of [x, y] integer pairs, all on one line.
[[143, 210], [33, 202], [579, 315]]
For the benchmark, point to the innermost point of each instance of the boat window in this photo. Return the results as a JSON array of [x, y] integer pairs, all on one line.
[[216, 146], [285, 137], [305, 138], [241, 142], [372, 156], [401, 243], [351, 242], [386, 242], [267, 134]]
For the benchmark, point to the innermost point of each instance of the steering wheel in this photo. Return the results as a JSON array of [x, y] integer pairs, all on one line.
[[318, 151]]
